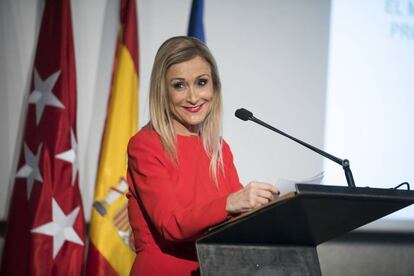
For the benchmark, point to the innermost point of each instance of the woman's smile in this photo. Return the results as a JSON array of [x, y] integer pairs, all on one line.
[[194, 109]]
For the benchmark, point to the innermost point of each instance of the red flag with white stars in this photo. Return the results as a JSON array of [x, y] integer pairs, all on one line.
[[46, 227]]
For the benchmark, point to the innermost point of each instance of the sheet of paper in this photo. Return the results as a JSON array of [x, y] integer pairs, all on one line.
[[287, 185]]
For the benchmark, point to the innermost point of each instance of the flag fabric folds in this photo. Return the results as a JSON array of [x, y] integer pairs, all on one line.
[[109, 250], [46, 228], [196, 25]]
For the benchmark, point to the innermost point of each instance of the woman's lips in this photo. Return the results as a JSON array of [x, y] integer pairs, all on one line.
[[194, 109]]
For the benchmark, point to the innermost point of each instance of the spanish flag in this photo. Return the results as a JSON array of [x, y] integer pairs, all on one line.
[[109, 250]]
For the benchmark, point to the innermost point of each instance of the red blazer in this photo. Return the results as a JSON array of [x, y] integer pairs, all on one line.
[[172, 204]]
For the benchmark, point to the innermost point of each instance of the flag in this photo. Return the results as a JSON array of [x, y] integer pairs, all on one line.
[[46, 229], [196, 25], [109, 250]]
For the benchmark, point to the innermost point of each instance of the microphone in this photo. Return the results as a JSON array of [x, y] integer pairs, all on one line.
[[246, 115]]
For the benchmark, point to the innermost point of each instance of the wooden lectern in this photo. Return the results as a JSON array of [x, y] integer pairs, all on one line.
[[281, 237]]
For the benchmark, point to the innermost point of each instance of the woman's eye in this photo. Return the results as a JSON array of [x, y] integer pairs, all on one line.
[[178, 85], [202, 82]]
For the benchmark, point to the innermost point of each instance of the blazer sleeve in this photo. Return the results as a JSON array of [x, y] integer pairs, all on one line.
[[150, 171]]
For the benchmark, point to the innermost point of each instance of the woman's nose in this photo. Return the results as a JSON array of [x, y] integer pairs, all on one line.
[[193, 95]]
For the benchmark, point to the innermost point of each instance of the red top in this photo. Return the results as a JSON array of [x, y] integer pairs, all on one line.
[[171, 205]]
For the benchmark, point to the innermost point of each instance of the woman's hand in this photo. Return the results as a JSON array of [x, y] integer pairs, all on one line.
[[252, 196]]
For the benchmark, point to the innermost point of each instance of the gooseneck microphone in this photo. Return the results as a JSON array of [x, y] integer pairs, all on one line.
[[246, 115]]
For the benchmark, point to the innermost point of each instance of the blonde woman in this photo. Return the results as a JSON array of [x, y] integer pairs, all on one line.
[[181, 175]]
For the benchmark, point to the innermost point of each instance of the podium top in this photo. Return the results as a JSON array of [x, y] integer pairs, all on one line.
[[309, 216]]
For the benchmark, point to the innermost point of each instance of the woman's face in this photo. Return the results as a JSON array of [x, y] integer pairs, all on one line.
[[190, 91]]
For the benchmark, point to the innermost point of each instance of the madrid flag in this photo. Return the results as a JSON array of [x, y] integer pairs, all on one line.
[[45, 229], [109, 251]]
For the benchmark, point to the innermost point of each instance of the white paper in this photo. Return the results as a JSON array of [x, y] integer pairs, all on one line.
[[287, 185]]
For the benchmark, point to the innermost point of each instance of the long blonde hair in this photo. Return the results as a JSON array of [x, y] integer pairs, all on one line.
[[173, 51]]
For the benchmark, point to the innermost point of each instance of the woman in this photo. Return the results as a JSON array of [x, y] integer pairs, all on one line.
[[180, 171]]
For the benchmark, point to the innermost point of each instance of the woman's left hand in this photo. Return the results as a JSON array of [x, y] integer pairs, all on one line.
[[252, 196]]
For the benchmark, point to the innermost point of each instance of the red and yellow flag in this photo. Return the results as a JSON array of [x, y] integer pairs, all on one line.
[[109, 250]]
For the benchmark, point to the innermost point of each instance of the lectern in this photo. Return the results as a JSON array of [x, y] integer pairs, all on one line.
[[281, 237]]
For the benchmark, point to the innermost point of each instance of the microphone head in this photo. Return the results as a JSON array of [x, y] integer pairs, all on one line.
[[243, 114]]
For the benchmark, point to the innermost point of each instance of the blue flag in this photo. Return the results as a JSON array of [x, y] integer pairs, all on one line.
[[196, 26]]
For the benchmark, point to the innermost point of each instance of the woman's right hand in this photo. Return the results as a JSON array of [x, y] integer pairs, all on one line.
[[252, 196]]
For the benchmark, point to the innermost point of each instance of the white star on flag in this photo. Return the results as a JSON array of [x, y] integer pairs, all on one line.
[[71, 155], [60, 228], [30, 170], [42, 94]]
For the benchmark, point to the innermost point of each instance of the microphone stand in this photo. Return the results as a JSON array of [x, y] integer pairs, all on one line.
[[343, 162]]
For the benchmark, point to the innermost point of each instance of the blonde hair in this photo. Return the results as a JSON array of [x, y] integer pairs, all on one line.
[[173, 51]]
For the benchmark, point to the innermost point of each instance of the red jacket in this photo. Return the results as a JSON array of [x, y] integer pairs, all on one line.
[[172, 204]]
